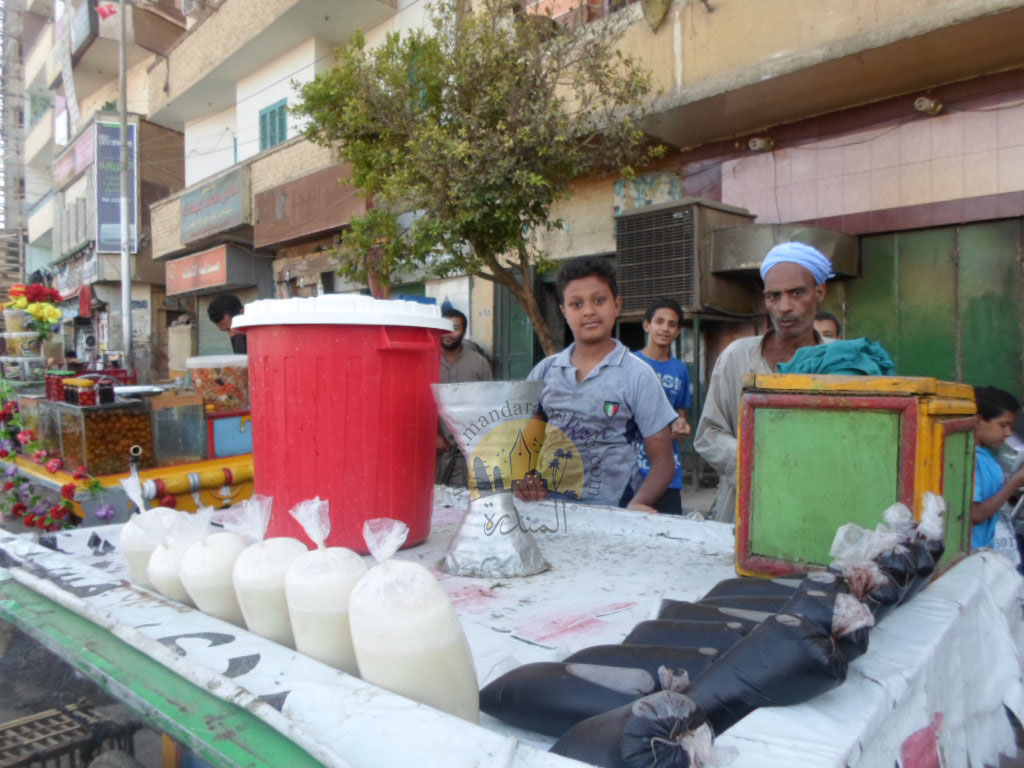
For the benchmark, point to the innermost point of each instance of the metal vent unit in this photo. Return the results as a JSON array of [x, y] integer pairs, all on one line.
[[655, 258], [664, 250]]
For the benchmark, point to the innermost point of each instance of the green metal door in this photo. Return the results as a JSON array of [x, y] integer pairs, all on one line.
[[944, 302], [513, 334]]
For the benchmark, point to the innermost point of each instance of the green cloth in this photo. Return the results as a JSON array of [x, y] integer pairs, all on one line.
[[854, 357]]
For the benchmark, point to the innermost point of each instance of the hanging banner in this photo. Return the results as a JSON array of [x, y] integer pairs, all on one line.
[[108, 188]]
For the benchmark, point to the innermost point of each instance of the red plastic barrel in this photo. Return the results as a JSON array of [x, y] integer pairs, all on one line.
[[342, 409]]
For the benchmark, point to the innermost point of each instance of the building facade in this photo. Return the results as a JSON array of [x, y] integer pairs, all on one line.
[[72, 146]]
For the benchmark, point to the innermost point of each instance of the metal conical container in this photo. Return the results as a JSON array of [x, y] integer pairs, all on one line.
[[493, 425]]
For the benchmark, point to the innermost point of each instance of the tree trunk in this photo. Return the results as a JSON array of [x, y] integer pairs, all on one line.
[[523, 293]]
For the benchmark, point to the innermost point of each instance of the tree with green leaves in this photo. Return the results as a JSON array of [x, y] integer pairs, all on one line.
[[474, 127]]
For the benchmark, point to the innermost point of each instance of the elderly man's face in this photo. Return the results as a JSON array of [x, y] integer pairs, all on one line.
[[791, 297]]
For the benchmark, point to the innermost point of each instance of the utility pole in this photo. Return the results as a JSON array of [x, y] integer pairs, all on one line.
[[126, 257]]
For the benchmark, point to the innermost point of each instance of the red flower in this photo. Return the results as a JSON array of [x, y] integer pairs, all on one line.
[[36, 292], [67, 491], [54, 465], [4, 453], [19, 509], [26, 436], [55, 296], [8, 485], [16, 290], [40, 456], [29, 520], [80, 474], [58, 513]]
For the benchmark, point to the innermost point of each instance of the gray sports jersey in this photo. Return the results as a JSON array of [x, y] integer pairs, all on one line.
[[619, 402]]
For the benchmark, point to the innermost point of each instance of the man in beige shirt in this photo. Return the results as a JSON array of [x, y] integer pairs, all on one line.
[[459, 363], [794, 277]]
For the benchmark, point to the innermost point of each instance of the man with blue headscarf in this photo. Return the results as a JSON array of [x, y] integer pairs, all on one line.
[[794, 277]]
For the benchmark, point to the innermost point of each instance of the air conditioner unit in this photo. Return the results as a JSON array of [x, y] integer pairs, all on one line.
[[193, 8], [664, 251]]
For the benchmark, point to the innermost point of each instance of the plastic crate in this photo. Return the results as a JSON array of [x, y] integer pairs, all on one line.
[[69, 736]]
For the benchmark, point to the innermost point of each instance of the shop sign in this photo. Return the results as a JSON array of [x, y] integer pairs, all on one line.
[[77, 271], [74, 159], [206, 269], [318, 202], [216, 206], [108, 188]]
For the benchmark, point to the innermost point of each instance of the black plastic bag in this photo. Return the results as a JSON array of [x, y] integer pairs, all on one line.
[[679, 610], [784, 660], [648, 657], [550, 697], [751, 587], [653, 731], [747, 603], [815, 598], [687, 634], [924, 567], [899, 564]]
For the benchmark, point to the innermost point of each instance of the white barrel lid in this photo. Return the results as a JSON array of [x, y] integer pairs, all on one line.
[[339, 309], [20, 334], [218, 361]]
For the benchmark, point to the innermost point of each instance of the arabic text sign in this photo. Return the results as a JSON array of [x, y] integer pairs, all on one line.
[[108, 188], [205, 269], [74, 159], [216, 206]]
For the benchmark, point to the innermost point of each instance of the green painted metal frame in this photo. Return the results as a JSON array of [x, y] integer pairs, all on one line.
[[749, 563], [221, 734]]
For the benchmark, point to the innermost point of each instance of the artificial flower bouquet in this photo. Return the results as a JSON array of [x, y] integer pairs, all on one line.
[[37, 303]]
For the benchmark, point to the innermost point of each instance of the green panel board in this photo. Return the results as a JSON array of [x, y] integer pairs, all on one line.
[[221, 734], [815, 471], [991, 304], [871, 301], [927, 303], [957, 488]]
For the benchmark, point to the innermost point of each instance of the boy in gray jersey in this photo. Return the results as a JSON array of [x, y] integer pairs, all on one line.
[[601, 397]]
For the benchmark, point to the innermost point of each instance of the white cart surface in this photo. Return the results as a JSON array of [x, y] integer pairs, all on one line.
[[935, 680]]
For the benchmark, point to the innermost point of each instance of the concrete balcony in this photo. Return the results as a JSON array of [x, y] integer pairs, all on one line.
[[39, 7], [39, 142], [95, 42], [729, 69], [199, 76], [40, 220], [36, 60]]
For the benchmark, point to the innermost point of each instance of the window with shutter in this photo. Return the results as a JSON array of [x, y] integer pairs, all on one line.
[[273, 124]]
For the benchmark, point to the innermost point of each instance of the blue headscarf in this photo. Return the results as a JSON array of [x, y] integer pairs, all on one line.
[[798, 253]]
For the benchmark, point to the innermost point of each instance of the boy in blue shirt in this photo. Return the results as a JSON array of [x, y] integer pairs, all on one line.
[[996, 412], [601, 397], [663, 324]]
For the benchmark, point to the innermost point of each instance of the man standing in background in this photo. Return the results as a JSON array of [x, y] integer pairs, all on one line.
[[794, 277], [459, 364], [663, 323], [221, 311]]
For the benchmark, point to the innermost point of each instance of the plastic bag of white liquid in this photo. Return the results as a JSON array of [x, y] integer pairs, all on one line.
[[165, 562], [207, 565], [205, 573], [317, 587], [142, 534], [406, 635], [258, 572]]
